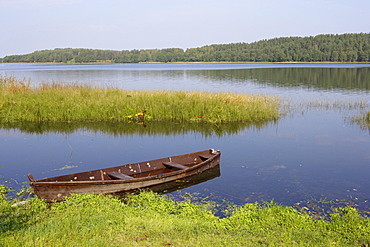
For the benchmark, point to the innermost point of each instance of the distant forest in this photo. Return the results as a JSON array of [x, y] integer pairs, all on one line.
[[320, 48]]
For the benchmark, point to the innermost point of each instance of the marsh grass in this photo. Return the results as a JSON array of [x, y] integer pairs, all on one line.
[[151, 220], [324, 105], [336, 105], [63, 102], [363, 121]]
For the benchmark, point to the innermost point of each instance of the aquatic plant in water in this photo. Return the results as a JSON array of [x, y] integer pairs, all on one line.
[[60, 102]]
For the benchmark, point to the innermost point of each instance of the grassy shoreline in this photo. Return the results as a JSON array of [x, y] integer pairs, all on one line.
[[61, 102], [231, 62], [151, 220]]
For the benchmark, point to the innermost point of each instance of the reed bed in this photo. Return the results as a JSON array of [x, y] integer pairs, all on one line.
[[66, 102], [363, 121]]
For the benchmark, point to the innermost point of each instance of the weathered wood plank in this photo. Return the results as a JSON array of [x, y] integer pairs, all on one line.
[[30, 177], [206, 156], [119, 175], [175, 165]]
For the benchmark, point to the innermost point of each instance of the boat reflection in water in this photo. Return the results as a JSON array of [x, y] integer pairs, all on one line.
[[186, 182]]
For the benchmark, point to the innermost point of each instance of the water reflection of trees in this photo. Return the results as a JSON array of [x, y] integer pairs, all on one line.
[[120, 129], [318, 78]]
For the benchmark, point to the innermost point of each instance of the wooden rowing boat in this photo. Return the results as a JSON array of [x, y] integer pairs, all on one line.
[[159, 175]]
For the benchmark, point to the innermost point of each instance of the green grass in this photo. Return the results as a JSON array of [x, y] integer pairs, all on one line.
[[61, 102], [151, 220]]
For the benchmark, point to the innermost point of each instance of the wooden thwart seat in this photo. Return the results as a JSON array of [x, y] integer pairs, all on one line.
[[175, 165], [119, 175], [206, 156]]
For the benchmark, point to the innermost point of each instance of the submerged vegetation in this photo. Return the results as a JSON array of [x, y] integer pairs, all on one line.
[[151, 220], [363, 121], [350, 47], [61, 102]]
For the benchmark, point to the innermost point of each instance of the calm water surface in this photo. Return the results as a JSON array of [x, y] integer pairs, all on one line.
[[311, 153]]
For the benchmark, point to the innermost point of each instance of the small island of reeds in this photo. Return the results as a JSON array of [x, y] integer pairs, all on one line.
[[20, 101]]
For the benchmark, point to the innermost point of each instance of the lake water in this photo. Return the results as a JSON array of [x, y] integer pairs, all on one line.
[[313, 152]]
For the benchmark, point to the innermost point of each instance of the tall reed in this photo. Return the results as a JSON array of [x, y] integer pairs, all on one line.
[[77, 102]]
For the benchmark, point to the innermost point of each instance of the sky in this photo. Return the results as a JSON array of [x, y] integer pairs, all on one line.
[[30, 25]]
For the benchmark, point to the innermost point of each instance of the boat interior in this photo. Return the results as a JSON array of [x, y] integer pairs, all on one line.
[[137, 170]]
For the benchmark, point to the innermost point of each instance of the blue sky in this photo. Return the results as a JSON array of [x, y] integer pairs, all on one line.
[[29, 25]]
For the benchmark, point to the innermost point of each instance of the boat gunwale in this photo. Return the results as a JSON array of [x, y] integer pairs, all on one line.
[[133, 180]]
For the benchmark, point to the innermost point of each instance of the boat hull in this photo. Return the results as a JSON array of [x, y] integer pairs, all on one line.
[[159, 182]]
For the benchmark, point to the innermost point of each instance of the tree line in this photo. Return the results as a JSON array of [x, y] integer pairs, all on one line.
[[321, 48]]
